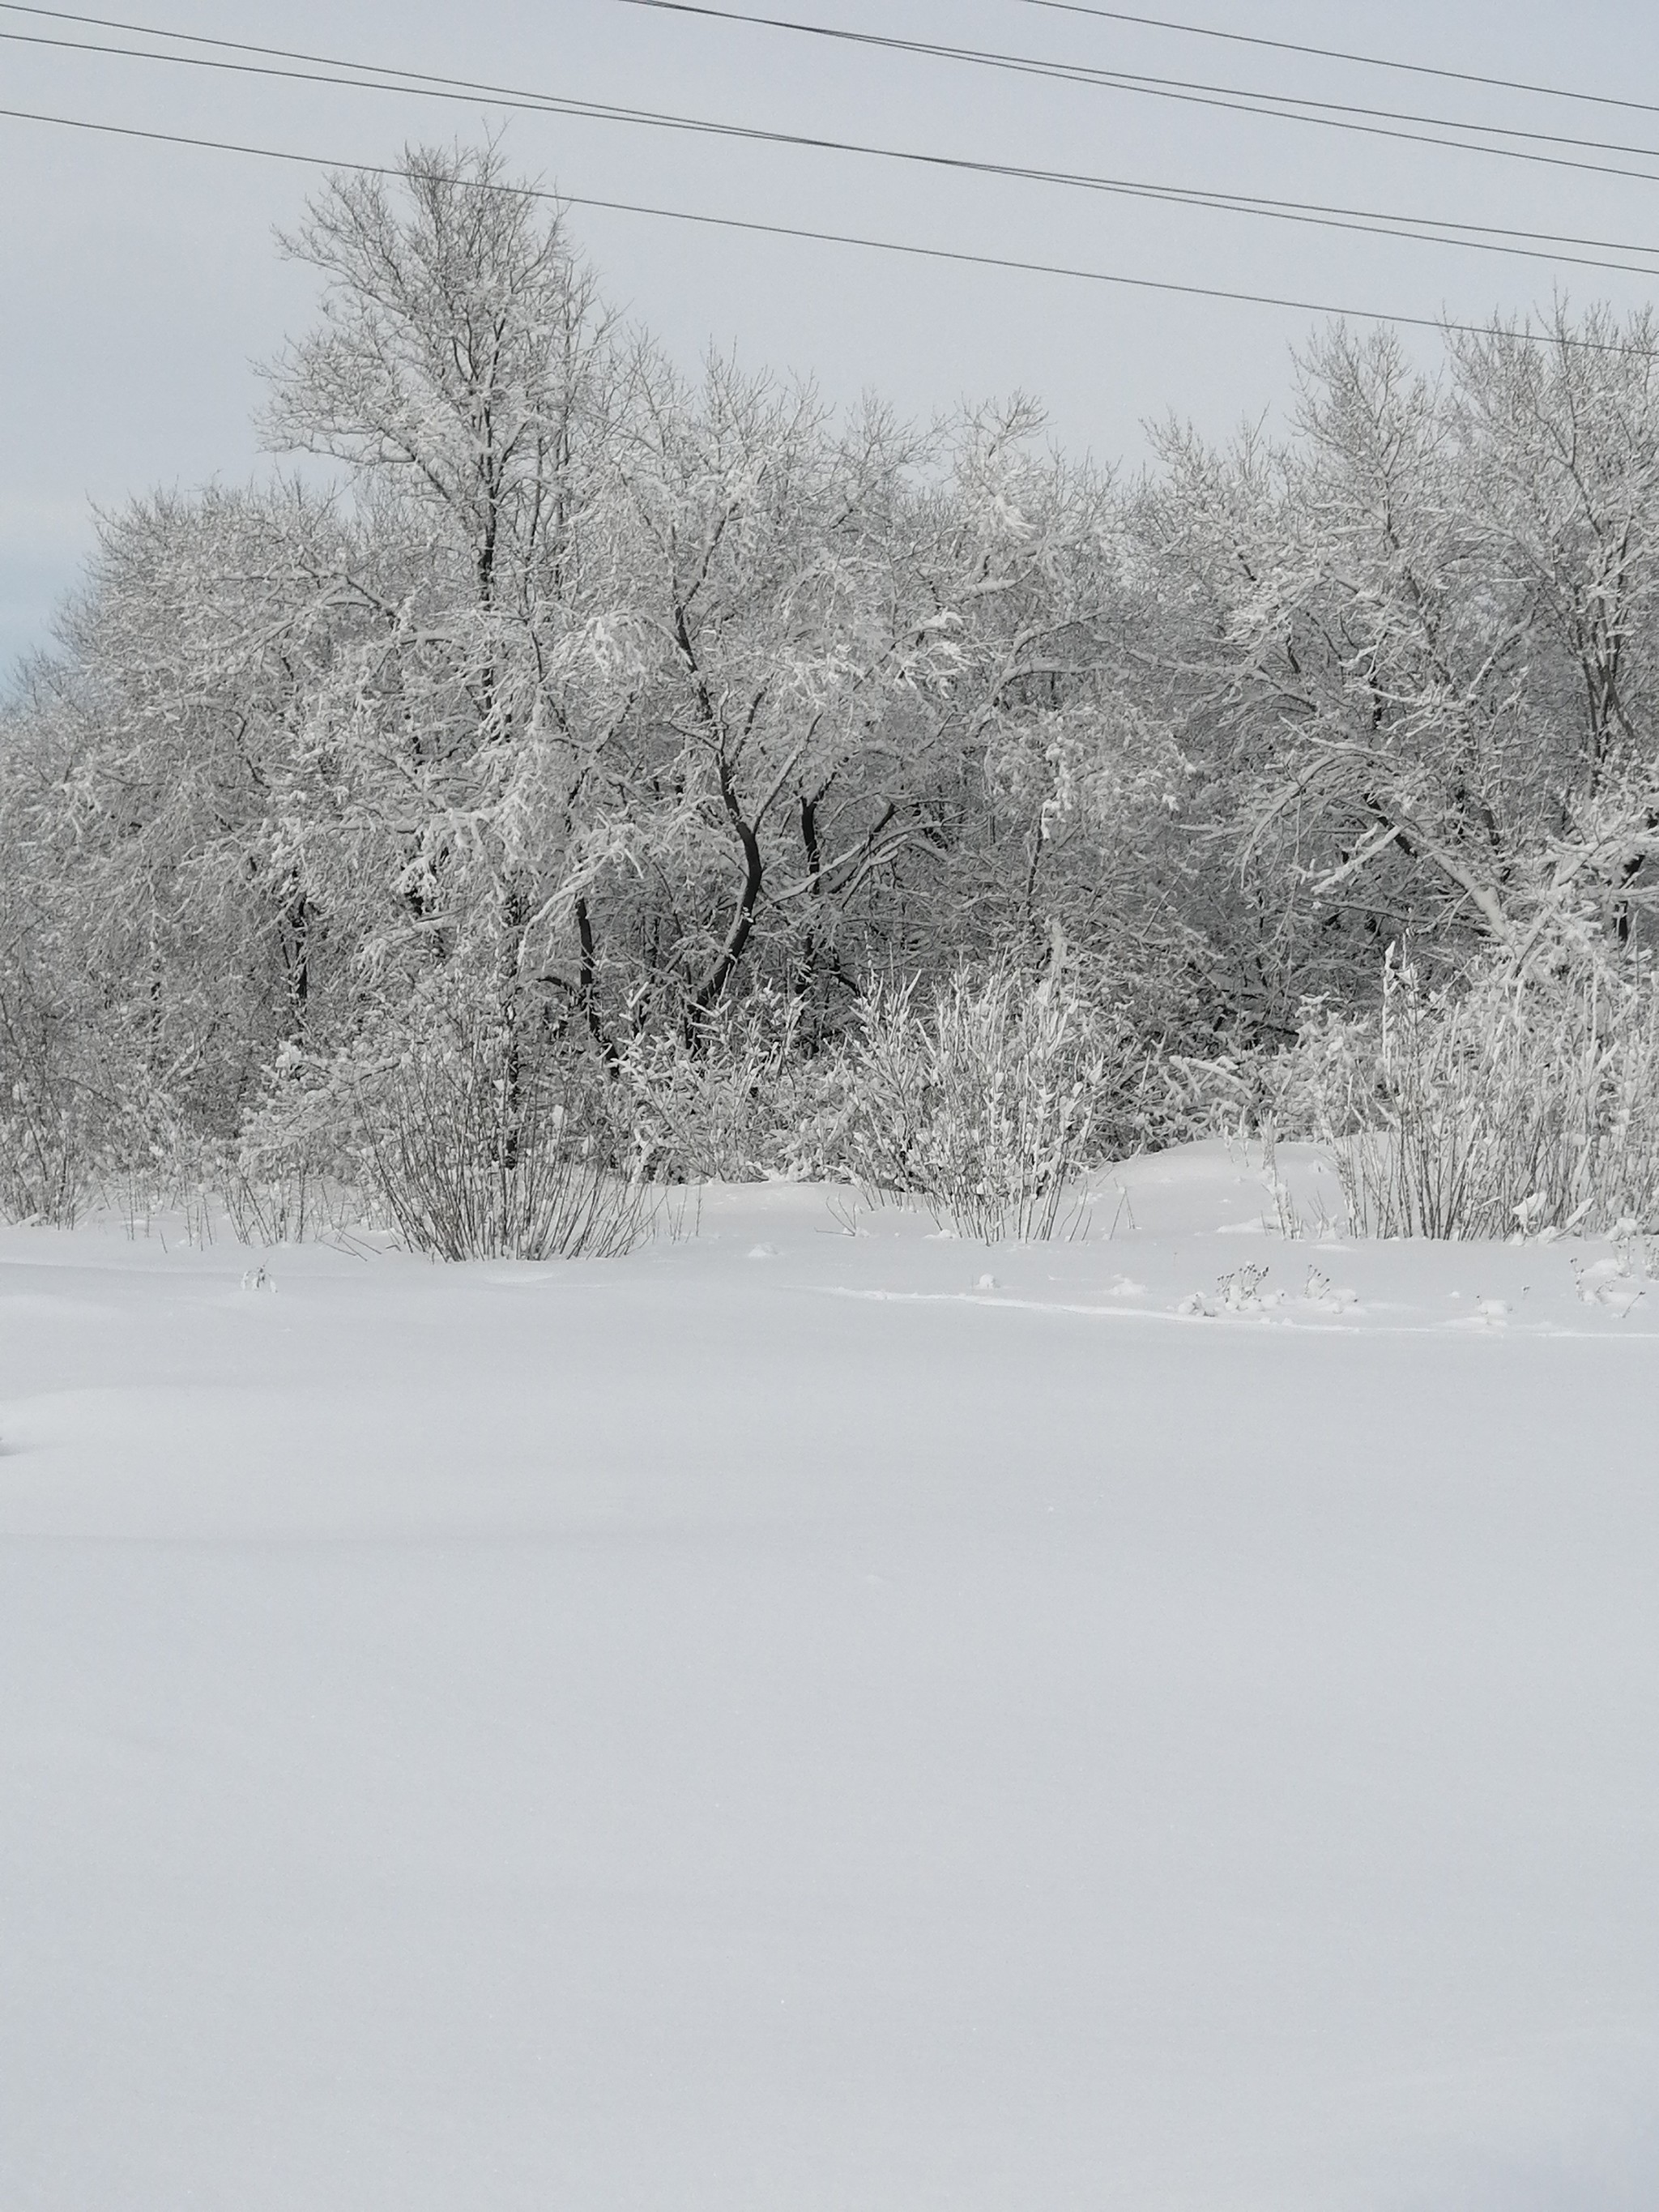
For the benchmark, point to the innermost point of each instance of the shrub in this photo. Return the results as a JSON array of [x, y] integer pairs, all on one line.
[[984, 1107], [51, 1125], [729, 1104], [474, 1158], [85, 1122], [1511, 1105]]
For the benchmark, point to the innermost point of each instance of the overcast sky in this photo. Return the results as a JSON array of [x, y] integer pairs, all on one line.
[[141, 284]]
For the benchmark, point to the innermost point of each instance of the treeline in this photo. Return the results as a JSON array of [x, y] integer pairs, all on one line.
[[643, 733]]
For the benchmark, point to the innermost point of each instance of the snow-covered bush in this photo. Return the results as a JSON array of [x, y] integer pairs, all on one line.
[[272, 1202], [55, 1117], [85, 1124], [298, 1167], [983, 1107], [444, 1125], [1523, 1105], [737, 1100], [471, 1150], [45, 1175], [1190, 1098]]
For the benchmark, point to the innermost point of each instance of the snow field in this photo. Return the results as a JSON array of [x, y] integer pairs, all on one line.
[[786, 1724]]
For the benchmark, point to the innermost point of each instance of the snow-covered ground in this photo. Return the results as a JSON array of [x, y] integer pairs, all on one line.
[[797, 1721]]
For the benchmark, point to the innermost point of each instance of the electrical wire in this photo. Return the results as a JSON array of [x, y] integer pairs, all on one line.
[[1228, 99], [1340, 54], [1445, 325], [1287, 106], [1145, 22], [1367, 223]]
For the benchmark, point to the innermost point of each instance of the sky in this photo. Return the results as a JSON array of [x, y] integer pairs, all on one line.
[[142, 285]]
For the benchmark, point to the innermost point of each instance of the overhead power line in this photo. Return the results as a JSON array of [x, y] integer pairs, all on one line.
[[1285, 107], [1231, 99], [375, 77], [1444, 325], [1343, 54], [1155, 23]]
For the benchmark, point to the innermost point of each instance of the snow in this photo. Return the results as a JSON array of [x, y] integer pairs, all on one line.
[[796, 1721]]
